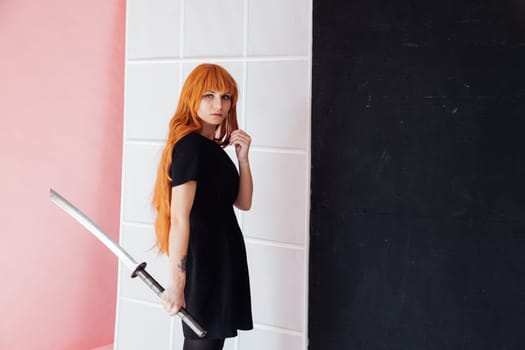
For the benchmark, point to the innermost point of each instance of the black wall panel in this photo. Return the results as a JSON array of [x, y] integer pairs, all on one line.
[[418, 175]]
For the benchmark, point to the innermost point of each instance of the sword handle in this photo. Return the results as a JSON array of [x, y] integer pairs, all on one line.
[[141, 272]]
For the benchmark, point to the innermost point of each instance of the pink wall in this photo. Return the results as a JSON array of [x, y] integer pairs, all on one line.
[[61, 110]]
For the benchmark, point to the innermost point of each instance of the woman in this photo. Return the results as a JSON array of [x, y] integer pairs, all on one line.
[[196, 188]]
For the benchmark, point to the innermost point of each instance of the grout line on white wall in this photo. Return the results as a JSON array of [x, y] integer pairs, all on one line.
[[142, 302], [217, 59], [138, 224], [245, 25], [245, 64], [181, 42], [142, 224], [180, 83], [255, 148], [181, 47], [247, 238], [243, 116], [276, 244], [146, 142], [288, 150], [244, 119], [265, 327]]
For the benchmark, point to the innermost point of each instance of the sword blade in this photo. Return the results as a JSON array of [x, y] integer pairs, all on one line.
[[75, 213], [138, 269]]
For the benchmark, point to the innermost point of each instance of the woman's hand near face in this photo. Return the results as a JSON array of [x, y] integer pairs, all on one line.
[[241, 140]]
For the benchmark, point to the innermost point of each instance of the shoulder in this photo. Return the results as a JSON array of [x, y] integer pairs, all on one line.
[[188, 143], [191, 138], [185, 163]]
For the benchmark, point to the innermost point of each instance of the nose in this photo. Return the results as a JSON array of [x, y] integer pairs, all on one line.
[[217, 103]]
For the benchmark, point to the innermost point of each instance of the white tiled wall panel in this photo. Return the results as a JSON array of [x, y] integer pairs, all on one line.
[[152, 28], [229, 344], [234, 68], [278, 103], [177, 336], [213, 28], [278, 208], [151, 94], [138, 241], [277, 283], [135, 330], [265, 45], [140, 168], [265, 340], [277, 27]]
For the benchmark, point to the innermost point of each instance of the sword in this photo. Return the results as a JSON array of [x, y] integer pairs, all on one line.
[[138, 269]]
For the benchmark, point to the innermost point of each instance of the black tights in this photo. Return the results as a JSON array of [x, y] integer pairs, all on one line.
[[203, 344]]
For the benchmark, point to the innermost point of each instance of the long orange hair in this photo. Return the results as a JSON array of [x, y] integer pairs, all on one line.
[[205, 77]]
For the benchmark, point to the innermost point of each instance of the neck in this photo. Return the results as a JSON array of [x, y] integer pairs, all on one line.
[[208, 131]]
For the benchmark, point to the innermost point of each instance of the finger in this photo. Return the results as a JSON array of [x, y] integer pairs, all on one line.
[[241, 139], [175, 310], [245, 137], [239, 132], [239, 143], [166, 307], [164, 300]]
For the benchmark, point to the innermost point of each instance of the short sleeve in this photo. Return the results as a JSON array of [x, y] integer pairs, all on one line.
[[185, 160]]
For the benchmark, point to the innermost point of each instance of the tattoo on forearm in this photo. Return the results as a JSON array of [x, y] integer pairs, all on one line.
[[182, 265]]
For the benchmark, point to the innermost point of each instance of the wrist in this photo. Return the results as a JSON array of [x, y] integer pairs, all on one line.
[[244, 162], [178, 280]]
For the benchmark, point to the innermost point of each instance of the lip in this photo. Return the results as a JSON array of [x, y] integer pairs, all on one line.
[[217, 115]]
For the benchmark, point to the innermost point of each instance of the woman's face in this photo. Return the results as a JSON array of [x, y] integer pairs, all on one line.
[[214, 107]]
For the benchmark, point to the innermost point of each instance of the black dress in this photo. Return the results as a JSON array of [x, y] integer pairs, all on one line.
[[217, 288]]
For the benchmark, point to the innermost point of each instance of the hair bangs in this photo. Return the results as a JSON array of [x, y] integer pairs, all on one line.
[[217, 78]]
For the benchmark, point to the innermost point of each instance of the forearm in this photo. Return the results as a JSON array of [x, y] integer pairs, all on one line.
[[181, 202], [244, 197], [178, 245]]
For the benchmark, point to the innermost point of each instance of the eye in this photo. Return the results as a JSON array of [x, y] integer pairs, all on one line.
[[226, 97], [208, 96]]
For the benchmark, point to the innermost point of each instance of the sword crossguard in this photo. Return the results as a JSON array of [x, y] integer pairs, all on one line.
[[141, 272]]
